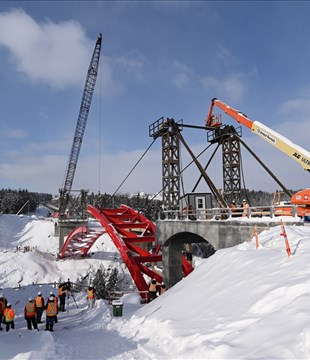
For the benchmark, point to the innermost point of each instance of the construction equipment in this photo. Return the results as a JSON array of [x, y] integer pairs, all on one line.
[[302, 156], [80, 127]]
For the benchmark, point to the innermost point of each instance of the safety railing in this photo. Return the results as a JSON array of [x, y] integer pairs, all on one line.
[[228, 213]]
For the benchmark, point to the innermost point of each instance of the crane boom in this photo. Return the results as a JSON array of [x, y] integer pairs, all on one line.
[[80, 126], [296, 152]]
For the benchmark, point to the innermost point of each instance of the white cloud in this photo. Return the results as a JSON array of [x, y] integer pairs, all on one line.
[[57, 54], [232, 88], [296, 107], [182, 75], [224, 57], [13, 133]]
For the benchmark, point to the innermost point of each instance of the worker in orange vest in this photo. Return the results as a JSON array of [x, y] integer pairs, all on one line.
[[39, 301], [30, 314], [91, 297], [56, 302], [62, 293], [162, 289], [3, 303], [51, 312], [246, 209], [9, 316], [152, 290]]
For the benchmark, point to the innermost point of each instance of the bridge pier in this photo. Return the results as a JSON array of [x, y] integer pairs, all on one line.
[[64, 227]]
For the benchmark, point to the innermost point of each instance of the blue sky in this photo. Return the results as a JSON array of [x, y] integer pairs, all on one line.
[[161, 58]]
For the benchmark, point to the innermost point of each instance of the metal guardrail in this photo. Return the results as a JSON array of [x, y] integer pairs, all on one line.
[[228, 213]]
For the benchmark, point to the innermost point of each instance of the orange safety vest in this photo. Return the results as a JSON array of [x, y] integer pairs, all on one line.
[[39, 302], [152, 287], [51, 309], [245, 209], [90, 294], [9, 314], [30, 309], [61, 291]]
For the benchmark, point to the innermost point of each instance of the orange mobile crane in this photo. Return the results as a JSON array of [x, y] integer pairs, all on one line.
[[302, 156]]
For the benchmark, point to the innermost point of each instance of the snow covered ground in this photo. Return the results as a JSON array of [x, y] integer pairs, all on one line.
[[241, 303]]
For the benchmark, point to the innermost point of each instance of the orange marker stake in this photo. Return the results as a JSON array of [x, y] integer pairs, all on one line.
[[287, 245], [254, 233]]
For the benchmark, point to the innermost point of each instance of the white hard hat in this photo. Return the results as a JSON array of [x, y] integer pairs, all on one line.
[[51, 298], [30, 299], [51, 293], [8, 304], [39, 293]]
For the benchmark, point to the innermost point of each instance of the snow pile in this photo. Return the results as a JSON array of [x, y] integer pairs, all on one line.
[[241, 303]]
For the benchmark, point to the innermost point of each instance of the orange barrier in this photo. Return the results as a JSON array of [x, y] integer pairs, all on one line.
[[287, 245]]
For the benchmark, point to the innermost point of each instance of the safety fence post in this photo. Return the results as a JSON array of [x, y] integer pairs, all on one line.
[[255, 233], [287, 245]]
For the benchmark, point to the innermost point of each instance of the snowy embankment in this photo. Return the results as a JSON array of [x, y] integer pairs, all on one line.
[[241, 303]]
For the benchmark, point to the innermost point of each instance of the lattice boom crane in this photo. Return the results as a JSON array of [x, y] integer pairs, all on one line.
[[80, 127]]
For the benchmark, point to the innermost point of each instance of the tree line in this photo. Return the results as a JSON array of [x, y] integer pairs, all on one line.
[[21, 201]]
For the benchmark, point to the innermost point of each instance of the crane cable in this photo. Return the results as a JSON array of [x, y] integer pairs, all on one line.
[[243, 181], [133, 167], [100, 127], [181, 175]]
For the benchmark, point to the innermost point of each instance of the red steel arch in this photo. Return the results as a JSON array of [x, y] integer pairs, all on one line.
[[79, 241]]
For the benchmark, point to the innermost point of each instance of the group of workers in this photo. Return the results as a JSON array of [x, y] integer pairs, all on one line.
[[155, 290], [35, 307], [244, 207], [33, 312]]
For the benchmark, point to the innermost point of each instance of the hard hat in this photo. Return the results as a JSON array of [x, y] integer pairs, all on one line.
[[243, 200], [39, 293], [51, 298], [51, 293], [8, 304], [30, 299], [233, 202]]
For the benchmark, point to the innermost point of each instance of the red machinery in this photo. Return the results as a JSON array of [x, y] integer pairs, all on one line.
[[296, 152]]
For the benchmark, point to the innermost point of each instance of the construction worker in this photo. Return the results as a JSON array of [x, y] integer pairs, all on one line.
[[152, 294], [9, 316], [62, 292], [162, 289], [245, 207], [3, 303], [51, 312], [30, 314], [39, 301], [91, 297], [56, 302], [233, 207]]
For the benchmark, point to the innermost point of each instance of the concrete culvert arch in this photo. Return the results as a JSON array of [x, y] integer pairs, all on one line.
[[185, 243]]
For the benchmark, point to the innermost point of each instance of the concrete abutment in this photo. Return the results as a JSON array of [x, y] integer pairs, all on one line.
[[220, 234]]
